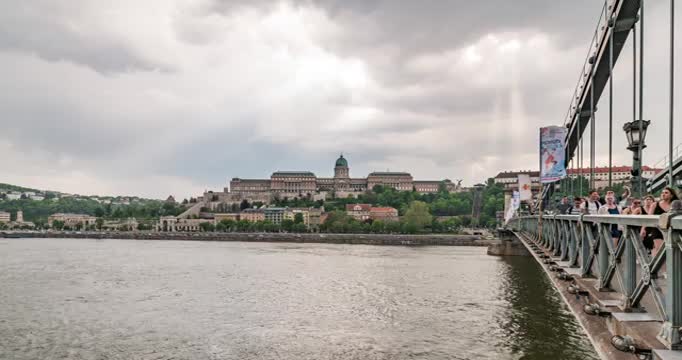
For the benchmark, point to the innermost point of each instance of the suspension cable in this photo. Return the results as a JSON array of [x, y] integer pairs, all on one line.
[[672, 89], [592, 129], [581, 150], [641, 91], [613, 29]]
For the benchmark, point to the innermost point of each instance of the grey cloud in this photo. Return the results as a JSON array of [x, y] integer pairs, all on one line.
[[44, 29]]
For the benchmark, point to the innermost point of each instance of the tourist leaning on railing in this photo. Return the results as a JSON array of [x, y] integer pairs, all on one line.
[[578, 208], [635, 208], [648, 233], [668, 195], [592, 203], [611, 208]]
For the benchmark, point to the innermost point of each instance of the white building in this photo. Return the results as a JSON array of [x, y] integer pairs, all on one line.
[[13, 195], [4, 217]]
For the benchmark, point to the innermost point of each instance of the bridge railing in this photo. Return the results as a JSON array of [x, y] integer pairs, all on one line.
[[643, 280]]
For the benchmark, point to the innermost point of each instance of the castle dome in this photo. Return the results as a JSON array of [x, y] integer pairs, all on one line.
[[341, 162]]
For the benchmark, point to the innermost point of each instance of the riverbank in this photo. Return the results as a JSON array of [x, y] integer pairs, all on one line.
[[366, 239]]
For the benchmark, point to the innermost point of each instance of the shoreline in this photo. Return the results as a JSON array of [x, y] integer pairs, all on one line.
[[320, 238]]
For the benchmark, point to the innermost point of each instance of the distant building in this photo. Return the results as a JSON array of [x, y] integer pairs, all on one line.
[[13, 195], [218, 217], [290, 214], [4, 217], [128, 224], [20, 216], [383, 213], [252, 215], [274, 215], [619, 174], [174, 224], [71, 220], [360, 212], [306, 184], [37, 197]]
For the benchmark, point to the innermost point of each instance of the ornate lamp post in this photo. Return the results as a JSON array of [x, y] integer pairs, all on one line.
[[636, 133]]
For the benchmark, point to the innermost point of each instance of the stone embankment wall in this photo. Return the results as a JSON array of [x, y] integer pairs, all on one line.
[[368, 239]]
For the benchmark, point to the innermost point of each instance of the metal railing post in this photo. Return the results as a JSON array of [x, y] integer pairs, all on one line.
[[670, 331], [630, 268], [604, 255], [585, 249]]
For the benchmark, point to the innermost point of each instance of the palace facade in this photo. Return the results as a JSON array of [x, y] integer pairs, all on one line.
[[301, 184], [305, 183]]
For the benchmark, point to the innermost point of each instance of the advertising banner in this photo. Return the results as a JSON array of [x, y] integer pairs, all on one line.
[[514, 205], [552, 154], [525, 193]]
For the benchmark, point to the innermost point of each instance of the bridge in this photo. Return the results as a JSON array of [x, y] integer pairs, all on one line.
[[628, 301]]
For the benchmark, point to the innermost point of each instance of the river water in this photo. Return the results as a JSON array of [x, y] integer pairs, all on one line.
[[126, 299]]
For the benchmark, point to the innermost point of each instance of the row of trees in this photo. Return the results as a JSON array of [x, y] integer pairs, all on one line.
[[38, 211], [440, 204]]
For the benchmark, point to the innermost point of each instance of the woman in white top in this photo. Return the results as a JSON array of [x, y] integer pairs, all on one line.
[[611, 208]]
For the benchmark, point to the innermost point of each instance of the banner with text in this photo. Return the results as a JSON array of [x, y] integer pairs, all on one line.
[[525, 193], [552, 154]]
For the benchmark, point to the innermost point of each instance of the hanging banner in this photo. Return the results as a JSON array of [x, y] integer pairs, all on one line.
[[552, 164], [516, 200], [513, 206], [525, 193]]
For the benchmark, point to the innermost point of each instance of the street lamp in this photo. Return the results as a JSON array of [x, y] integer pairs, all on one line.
[[636, 134]]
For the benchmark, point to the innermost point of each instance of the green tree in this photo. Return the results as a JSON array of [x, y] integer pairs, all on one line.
[[299, 228], [287, 224], [98, 223], [417, 216], [298, 218], [377, 227], [207, 226], [58, 225]]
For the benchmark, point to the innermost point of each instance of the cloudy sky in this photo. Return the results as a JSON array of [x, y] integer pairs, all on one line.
[[161, 97]]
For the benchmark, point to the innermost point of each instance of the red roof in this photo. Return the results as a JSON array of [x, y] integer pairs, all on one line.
[[383, 209], [363, 207]]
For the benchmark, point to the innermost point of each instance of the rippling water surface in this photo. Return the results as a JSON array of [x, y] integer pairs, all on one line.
[[111, 299]]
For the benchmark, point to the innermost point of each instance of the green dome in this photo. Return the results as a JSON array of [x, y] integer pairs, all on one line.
[[341, 162]]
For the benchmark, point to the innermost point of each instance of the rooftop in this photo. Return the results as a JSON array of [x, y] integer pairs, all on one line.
[[293, 173], [389, 173]]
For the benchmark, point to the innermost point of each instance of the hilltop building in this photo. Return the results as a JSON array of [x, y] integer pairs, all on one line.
[[619, 174], [72, 220], [305, 184]]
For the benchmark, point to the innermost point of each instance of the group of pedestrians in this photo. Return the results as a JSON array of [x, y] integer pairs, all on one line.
[[610, 204]]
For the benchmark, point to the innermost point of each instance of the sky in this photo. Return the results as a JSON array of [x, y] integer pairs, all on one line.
[[159, 97]]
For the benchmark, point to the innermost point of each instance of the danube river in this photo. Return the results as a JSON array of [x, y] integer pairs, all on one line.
[[127, 299]]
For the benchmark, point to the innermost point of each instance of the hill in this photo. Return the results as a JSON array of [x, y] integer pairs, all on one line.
[[109, 207]]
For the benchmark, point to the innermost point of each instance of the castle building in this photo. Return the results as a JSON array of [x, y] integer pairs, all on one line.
[[307, 184]]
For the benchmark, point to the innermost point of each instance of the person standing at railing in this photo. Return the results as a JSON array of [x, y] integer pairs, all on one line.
[[668, 195], [648, 234], [611, 208], [635, 208], [578, 208], [592, 203], [563, 206]]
